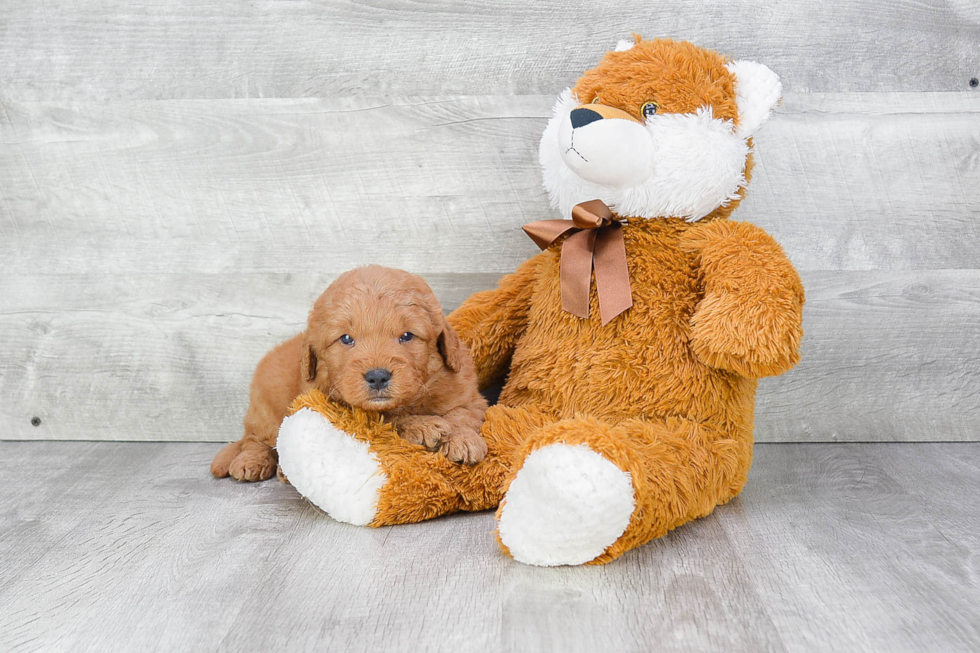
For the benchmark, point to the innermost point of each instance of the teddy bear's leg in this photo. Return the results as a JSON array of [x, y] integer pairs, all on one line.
[[566, 502], [332, 468], [422, 485], [355, 467], [585, 491]]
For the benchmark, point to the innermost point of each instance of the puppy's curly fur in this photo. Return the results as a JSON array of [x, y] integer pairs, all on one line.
[[376, 339]]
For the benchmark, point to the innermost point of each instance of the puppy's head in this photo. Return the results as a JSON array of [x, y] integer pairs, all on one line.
[[376, 337]]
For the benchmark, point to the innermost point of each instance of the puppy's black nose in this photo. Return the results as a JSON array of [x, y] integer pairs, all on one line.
[[377, 378], [582, 117]]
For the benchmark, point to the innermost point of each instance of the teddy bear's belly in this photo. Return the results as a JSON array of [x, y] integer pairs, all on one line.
[[640, 364]]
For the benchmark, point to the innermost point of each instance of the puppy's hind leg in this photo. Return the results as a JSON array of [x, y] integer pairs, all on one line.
[[276, 382], [252, 458], [222, 460], [245, 460], [257, 461]]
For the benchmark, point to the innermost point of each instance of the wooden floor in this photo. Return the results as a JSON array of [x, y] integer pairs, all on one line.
[[831, 547]]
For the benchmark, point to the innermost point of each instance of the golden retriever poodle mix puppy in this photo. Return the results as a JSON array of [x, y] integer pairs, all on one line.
[[376, 339]]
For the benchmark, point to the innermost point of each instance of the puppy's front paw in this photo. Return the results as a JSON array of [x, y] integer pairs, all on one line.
[[464, 446], [426, 430]]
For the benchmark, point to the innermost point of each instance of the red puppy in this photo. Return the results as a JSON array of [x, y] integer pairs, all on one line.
[[376, 339]]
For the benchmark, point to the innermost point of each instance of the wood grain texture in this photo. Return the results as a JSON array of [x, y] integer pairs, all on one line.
[[864, 541], [874, 181], [153, 247], [888, 355], [829, 547], [110, 49]]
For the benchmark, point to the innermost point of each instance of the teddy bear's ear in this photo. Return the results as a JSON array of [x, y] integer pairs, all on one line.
[[625, 44], [757, 92]]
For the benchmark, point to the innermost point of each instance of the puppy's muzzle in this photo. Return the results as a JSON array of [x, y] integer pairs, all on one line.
[[377, 379]]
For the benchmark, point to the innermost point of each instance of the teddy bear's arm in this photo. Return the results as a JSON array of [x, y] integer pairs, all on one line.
[[490, 322], [750, 320]]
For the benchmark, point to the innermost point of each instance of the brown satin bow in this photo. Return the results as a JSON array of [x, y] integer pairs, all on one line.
[[598, 240]]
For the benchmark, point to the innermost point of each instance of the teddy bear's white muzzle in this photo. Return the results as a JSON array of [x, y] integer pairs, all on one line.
[[610, 152]]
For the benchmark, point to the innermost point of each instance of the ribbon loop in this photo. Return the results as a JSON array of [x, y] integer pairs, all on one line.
[[593, 214], [597, 241]]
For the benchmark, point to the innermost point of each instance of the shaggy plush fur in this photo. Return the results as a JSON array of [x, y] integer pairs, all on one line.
[[369, 320], [664, 393]]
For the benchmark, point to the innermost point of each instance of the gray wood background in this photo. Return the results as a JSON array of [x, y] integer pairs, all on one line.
[[830, 547], [178, 182]]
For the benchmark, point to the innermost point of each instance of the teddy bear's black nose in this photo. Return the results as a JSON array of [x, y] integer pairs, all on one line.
[[582, 117], [377, 378]]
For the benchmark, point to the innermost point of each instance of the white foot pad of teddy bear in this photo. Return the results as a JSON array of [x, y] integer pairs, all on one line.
[[348, 491], [566, 506]]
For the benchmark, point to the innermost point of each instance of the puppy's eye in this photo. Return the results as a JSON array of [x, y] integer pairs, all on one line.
[[649, 109], [405, 337], [346, 340]]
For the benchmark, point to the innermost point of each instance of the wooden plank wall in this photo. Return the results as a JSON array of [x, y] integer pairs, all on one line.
[[178, 182]]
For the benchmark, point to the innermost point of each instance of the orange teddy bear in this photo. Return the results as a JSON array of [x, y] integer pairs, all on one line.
[[628, 404]]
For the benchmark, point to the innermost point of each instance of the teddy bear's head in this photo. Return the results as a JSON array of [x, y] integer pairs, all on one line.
[[659, 128]]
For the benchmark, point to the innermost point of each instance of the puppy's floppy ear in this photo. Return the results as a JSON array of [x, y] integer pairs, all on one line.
[[450, 347], [309, 363]]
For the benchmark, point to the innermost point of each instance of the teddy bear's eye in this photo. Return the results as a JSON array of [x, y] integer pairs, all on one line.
[[595, 100], [346, 340], [649, 109]]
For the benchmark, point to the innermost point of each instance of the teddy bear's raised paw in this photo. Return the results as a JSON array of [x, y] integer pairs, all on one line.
[[749, 338], [336, 472]]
